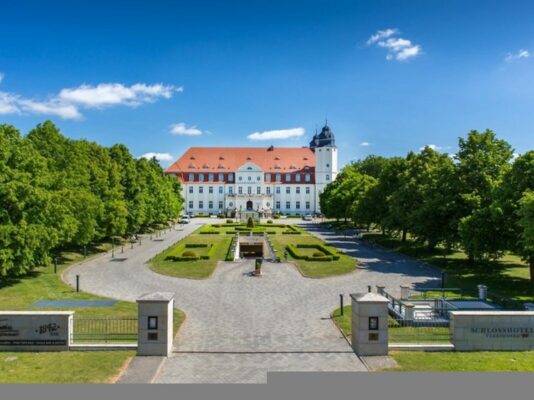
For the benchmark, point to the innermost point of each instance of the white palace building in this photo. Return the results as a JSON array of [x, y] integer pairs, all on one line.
[[266, 180]]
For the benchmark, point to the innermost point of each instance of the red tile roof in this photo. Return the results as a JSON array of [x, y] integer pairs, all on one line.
[[229, 159]]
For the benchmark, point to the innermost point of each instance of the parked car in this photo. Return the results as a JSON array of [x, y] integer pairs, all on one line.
[[307, 217], [185, 219]]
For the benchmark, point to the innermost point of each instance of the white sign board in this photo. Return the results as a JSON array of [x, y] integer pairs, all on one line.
[[35, 330], [492, 330]]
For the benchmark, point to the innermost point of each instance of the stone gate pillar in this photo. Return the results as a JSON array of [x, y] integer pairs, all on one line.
[[369, 324], [155, 324]]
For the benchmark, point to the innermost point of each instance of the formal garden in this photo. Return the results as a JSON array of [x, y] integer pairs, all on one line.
[[197, 255]]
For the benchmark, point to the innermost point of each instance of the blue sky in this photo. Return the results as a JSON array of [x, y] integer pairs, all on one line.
[[215, 72]]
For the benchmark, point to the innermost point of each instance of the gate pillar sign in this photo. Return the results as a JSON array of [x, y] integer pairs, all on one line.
[[155, 324], [369, 324]]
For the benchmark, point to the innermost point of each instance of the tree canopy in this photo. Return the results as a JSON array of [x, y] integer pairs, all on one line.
[[57, 192], [480, 199]]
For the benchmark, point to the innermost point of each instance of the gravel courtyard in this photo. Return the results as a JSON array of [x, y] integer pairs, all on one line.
[[238, 327]]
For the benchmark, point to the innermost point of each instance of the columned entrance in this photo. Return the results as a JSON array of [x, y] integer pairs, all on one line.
[[250, 205]]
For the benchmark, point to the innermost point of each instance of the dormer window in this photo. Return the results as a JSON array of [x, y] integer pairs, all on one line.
[[248, 158], [192, 158], [205, 166], [221, 158], [277, 158]]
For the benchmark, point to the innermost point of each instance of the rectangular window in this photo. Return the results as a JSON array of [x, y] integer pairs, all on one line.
[[190, 204], [210, 189], [258, 190], [278, 177], [191, 189], [210, 177], [191, 177], [307, 177], [297, 178], [267, 177], [307, 190], [201, 204], [210, 204], [230, 177], [201, 189], [288, 190], [249, 189], [240, 189], [297, 189], [220, 178], [278, 190], [230, 189], [307, 205], [221, 190], [297, 205], [288, 177], [268, 190], [220, 205], [201, 177], [288, 205], [153, 323], [278, 205]]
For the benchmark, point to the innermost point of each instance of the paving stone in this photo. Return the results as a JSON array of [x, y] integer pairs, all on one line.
[[232, 315]]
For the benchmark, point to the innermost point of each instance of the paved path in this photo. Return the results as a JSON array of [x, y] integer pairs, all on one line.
[[239, 327]]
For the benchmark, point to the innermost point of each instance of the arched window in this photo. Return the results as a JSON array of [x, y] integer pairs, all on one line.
[[327, 177]]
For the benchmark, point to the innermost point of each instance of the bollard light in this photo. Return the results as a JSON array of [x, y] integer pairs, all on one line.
[[341, 304], [77, 283]]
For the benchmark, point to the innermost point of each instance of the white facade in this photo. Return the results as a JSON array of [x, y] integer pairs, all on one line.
[[267, 180]]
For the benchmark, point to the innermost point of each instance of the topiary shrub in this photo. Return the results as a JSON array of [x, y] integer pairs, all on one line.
[[189, 253], [270, 221], [319, 254], [250, 223], [229, 221]]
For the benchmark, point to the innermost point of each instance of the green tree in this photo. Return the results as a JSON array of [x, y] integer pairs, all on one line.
[[526, 223]]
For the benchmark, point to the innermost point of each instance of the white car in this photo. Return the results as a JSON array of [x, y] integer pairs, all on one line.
[[185, 219], [307, 217]]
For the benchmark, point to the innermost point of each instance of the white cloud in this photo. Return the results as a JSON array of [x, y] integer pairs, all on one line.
[[109, 94], [52, 107], [382, 35], [164, 157], [432, 146], [517, 56], [182, 129], [277, 134], [68, 102], [1, 77], [8, 104], [365, 144], [398, 48]]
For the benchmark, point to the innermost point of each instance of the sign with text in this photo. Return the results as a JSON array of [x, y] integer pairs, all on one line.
[[35, 331], [492, 330]]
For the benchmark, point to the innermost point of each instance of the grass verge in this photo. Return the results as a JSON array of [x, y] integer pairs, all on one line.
[[479, 361], [198, 269], [62, 367]]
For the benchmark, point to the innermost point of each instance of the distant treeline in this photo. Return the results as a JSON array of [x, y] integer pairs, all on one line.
[[57, 193], [480, 199]]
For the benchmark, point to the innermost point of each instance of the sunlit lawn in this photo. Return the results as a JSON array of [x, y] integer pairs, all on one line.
[[508, 277]]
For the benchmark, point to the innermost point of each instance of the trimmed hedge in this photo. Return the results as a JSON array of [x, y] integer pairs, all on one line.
[[188, 257], [330, 256]]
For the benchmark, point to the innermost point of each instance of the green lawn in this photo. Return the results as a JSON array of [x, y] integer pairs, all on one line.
[[396, 333], [313, 269], [63, 367], [200, 269], [507, 277], [479, 361]]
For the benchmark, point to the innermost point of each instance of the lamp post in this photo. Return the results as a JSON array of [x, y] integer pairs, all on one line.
[[112, 247]]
